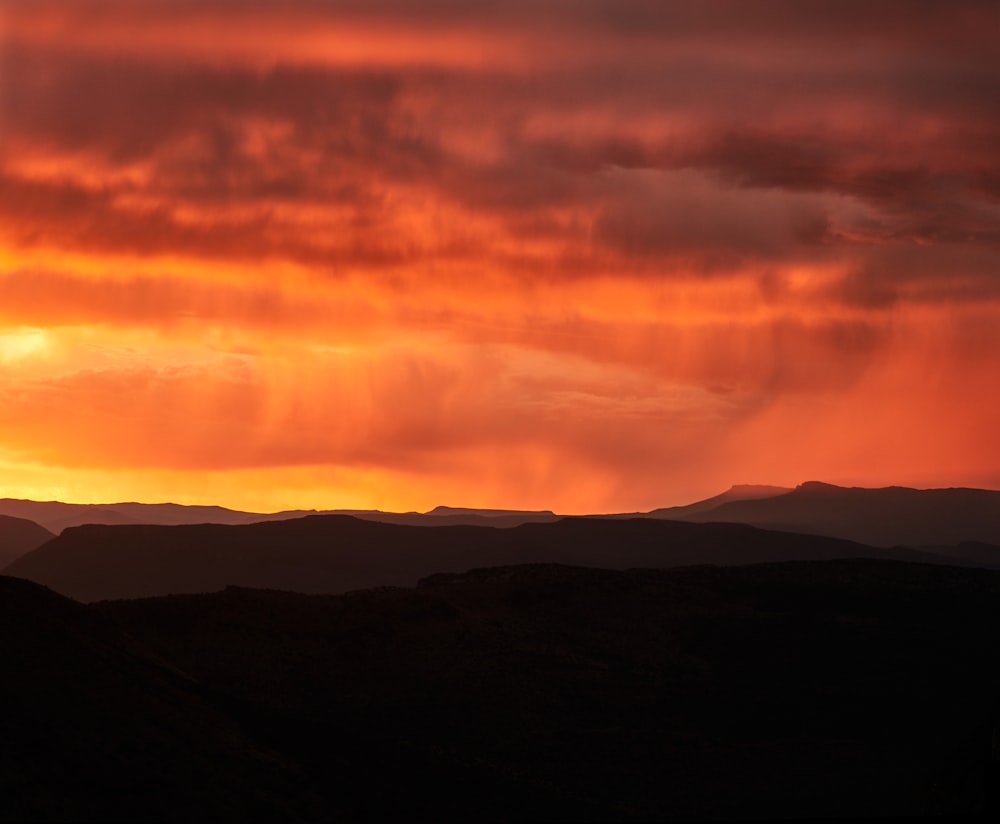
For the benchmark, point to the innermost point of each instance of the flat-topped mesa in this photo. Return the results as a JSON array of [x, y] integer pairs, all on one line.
[[755, 491], [820, 487], [489, 513]]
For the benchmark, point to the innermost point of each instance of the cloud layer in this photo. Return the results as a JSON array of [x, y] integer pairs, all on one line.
[[579, 254]]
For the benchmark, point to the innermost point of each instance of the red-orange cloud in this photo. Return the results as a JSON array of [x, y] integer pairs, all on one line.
[[584, 255]]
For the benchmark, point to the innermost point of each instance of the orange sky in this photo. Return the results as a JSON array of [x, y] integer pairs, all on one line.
[[589, 255]]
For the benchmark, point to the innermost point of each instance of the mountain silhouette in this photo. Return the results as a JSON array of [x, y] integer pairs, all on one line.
[[337, 553], [739, 492], [893, 516], [555, 669], [19, 536], [93, 728], [57, 516]]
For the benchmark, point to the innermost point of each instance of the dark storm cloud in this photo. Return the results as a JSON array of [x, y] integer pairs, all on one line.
[[877, 122]]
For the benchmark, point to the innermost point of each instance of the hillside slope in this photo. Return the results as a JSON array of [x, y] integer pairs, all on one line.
[[739, 492], [330, 554], [93, 729], [19, 536]]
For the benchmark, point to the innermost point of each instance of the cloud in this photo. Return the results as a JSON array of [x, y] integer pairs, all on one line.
[[645, 241]]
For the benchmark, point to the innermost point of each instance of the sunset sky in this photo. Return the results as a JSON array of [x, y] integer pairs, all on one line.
[[589, 255]]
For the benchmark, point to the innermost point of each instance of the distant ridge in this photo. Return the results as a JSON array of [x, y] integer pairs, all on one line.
[[491, 513], [888, 516], [338, 553], [56, 516]]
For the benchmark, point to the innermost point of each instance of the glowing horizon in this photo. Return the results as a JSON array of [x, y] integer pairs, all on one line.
[[581, 256]]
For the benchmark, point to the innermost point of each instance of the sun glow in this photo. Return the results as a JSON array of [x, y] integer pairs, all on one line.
[[23, 343]]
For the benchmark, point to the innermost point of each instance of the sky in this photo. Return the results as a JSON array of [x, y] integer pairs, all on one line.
[[598, 255]]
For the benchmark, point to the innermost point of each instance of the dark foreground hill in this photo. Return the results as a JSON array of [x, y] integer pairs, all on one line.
[[331, 554], [893, 516], [841, 688], [19, 536], [92, 729]]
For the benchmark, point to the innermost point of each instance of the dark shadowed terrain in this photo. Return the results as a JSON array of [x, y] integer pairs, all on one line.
[[93, 728], [814, 689], [336, 553], [19, 536]]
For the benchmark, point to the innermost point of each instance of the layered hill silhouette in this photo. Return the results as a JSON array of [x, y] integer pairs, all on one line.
[[807, 661], [57, 516], [842, 688], [337, 553], [19, 536], [92, 728], [892, 516]]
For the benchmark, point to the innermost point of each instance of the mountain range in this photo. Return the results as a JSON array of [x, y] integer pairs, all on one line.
[[200, 549], [337, 553], [56, 516], [766, 653], [890, 516]]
